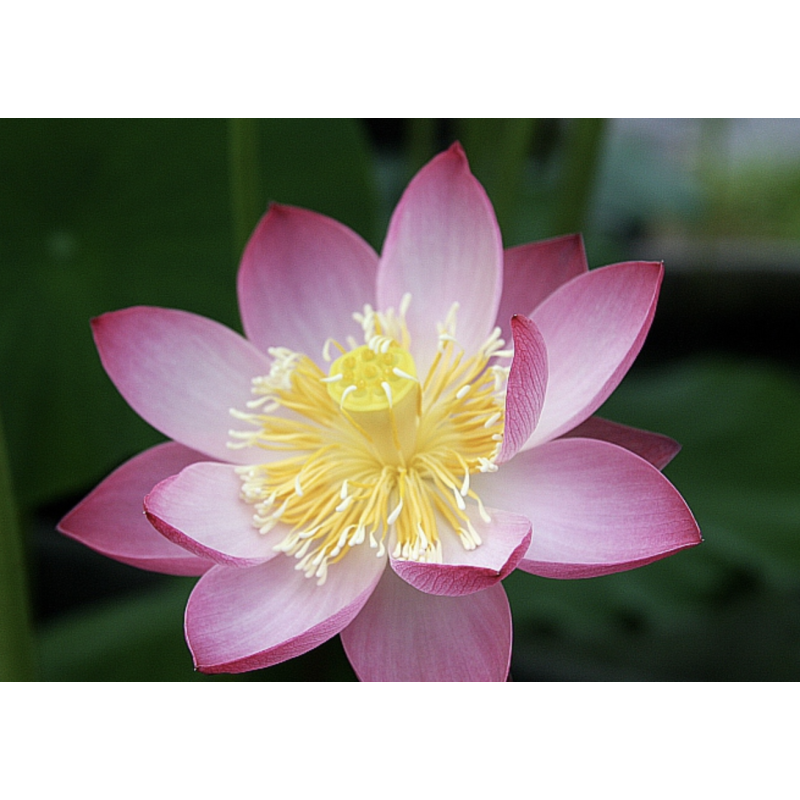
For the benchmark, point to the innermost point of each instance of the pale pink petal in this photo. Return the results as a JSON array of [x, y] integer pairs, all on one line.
[[593, 328], [443, 246], [201, 510], [596, 508], [182, 373], [111, 520], [656, 448], [302, 276], [402, 634], [243, 619], [527, 382], [532, 272], [504, 542]]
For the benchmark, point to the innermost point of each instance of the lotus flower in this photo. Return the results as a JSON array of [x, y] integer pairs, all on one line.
[[395, 435]]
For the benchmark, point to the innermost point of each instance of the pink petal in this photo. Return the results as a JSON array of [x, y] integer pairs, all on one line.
[[504, 542], [302, 276], [656, 448], [593, 328], [532, 272], [243, 619], [443, 246], [110, 519], [595, 507], [404, 635], [202, 511], [182, 373], [526, 386]]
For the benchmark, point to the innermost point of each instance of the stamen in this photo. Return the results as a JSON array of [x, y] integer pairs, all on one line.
[[392, 518], [401, 374], [371, 451], [491, 421], [349, 390]]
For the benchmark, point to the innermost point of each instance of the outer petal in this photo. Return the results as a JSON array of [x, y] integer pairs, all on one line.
[[243, 619], [532, 272], [505, 540], [527, 382], [656, 448], [404, 635], [596, 508], [302, 276], [443, 246], [180, 372], [593, 328], [110, 519], [202, 511]]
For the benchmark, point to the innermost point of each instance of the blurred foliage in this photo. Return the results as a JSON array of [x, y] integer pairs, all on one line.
[[727, 609], [755, 200], [98, 215]]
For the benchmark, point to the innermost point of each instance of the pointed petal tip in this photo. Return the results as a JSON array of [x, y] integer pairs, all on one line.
[[457, 149], [109, 520], [576, 571], [656, 448]]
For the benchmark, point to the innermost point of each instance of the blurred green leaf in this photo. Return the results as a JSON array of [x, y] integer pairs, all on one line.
[[97, 215], [140, 638], [739, 424]]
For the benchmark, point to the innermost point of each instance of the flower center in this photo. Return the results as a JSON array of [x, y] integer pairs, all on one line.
[[372, 454], [378, 392]]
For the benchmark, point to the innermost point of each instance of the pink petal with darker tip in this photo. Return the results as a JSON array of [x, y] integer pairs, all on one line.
[[201, 510], [532, 272], [110, 519], [593, 328], [302, 276], [656, 448], [182, 373], [596, 508], [504, 542], [402, 634], [443, 246], [243, 619]]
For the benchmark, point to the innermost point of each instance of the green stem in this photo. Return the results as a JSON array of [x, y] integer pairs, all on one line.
[[247, 204], [16, 640], [582, 143]]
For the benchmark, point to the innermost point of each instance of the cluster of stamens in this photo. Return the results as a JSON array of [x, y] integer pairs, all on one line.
[[373, 453]]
